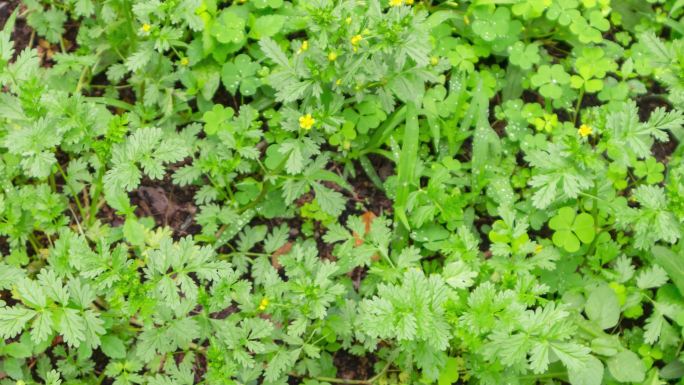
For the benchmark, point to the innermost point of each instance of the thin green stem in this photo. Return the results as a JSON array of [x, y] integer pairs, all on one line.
[[592, 196], [34, 243], [53, 184], [73, 192], [578, 105], [95, 197], [111, 102], [81, 79]]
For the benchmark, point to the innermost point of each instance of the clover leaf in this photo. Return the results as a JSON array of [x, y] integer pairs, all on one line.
[[491, 26], [590, 31], [589, 84], [240, 74], [229, 28], [216, 118], [591, 66], [524, 55], [563, 11], [449, 373], [651, 169], [530, 9], [370, 115], [549, 80], [571, 228], [463, 57], [266, 26]]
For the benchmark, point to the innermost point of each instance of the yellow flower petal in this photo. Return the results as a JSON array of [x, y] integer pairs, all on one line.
[[585, 130], [263, 304], [306, 121]]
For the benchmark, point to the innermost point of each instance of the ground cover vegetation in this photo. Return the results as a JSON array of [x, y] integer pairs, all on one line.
[[341, 191]]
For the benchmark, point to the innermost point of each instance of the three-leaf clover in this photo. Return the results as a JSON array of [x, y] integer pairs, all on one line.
[[524, 55], [491, 26], [589, 31], [530, 9], [370, 115], [571, 228], [217, 117], [241, 74], [563, 11], [549, 80], [229, 28], [651, 169], [591, 67], [463, 57]]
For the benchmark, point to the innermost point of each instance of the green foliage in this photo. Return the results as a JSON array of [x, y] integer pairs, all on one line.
[[550, 80], [570, 228], [272, 192]]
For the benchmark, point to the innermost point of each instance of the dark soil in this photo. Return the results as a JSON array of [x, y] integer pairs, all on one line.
[[22, 32], [649, 103], [169, 205], [351, 367]]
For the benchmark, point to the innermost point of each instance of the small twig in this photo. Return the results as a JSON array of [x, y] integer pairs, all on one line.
[[80, 229]]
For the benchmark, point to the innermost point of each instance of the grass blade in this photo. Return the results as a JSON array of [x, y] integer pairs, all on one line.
[[407, 163]]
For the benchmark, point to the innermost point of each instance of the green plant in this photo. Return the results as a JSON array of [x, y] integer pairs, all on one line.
[[326, 192]]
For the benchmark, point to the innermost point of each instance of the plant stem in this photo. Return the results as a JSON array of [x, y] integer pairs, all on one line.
[[96, 196], [74, 193], [111, 101], [578, 105], [33, 242]]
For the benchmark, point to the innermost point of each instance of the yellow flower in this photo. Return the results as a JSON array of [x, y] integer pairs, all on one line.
[[396, 3], [146, 27], [338, 82], [409, 2], [184, 61], [263, 304], [304, 47], [434, 60], [332, 56], [585, 130], [538, 249], [306, 121], [356, 39]]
